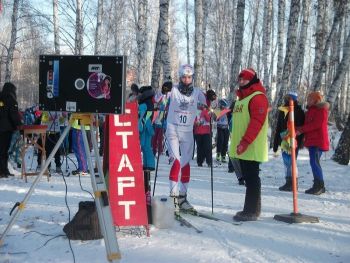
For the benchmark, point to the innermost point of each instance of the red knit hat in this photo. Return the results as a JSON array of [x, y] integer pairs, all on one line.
[[247, 74]]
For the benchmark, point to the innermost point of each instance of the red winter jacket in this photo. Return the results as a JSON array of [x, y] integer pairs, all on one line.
[[202, 125], [258, 107], [315, 127]]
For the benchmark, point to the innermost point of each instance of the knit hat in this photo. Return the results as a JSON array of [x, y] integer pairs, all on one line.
[[293, 95], [186, 70], [316, 96], [211, 95], [134, 88], [247, 74]]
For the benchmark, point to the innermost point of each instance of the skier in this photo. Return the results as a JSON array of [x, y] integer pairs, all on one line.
[[183, 104], [249, 139]]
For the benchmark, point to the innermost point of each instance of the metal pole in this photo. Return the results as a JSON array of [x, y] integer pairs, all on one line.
[[101, 197]]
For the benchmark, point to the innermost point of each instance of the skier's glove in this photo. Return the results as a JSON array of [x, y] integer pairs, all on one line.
[[242, 147], [299, 130]]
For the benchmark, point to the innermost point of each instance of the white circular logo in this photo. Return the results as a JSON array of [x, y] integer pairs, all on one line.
[[79, 84]]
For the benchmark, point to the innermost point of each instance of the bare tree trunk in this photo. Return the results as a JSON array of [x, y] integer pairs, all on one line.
[[98, 31], [287, 68], [343, 68], [237, 60], [79, 29], [141, 41], [206, 5], [162, 51], [157, 63], [251, 49], [342, 152], [299, 58], [187, 36], [267, 45], [338, 15], [198, 43], [280, 41], [165, 55], [290, 49], [320, 36], [11, 49], [347, 104], [56, 26]]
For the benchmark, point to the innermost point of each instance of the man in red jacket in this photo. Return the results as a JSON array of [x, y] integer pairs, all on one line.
[[316, 137]]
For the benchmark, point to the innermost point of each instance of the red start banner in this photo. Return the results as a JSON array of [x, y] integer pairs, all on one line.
[[126, 186]]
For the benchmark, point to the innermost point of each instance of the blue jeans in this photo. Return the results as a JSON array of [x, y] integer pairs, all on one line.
[[287, 161], [315, 156]]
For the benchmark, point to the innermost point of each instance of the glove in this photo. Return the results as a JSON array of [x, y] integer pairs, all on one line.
[[299, 130], [242, 147]]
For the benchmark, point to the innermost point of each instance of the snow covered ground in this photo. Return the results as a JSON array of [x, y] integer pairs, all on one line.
[[266, 240]]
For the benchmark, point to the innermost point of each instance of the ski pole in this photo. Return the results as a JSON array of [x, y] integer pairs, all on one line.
[[211, 168], [156, 172]]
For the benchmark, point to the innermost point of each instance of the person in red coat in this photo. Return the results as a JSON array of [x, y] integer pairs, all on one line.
[[316, 137]]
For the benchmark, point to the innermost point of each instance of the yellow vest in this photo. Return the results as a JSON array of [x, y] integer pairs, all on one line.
[[258, 149]]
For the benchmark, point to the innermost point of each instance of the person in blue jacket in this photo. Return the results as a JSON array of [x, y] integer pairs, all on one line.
[[146, 129]]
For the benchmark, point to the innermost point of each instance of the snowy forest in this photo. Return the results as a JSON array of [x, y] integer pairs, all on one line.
[[300, 45]]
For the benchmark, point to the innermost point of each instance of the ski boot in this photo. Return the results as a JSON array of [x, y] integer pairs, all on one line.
[[185, 206]]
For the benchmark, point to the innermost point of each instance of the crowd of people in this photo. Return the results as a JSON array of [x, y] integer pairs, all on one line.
[[175, 118]]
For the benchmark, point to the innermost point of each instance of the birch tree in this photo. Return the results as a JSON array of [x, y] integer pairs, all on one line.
[[237, 59], [187, 34], [342, 152], [343, 68], [338, 15], [290, 49], [198, 43], [319, 41], [161, 58], [98, 31], [267, 45], [56, 26], [251, 49], [12, 46], [79, 29], [280, 40], [141, 35], [287, 68], [299, 57]]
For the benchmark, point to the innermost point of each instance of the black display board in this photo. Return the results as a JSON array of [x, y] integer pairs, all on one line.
[[86, 84]]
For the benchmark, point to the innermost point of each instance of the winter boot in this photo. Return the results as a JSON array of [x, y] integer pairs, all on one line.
[[185, 206], [317, 188], [223, 159], [287, 186], [218, 157], [252, 203]]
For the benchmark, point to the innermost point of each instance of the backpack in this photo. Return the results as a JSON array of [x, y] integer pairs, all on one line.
[[85, 224]]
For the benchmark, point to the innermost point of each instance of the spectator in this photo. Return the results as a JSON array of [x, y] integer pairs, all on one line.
[[9, 121], [222, 132], [315, 131], [282, 137]]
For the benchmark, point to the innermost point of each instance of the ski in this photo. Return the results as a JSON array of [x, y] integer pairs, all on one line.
[[185, 222], [211, 217]]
